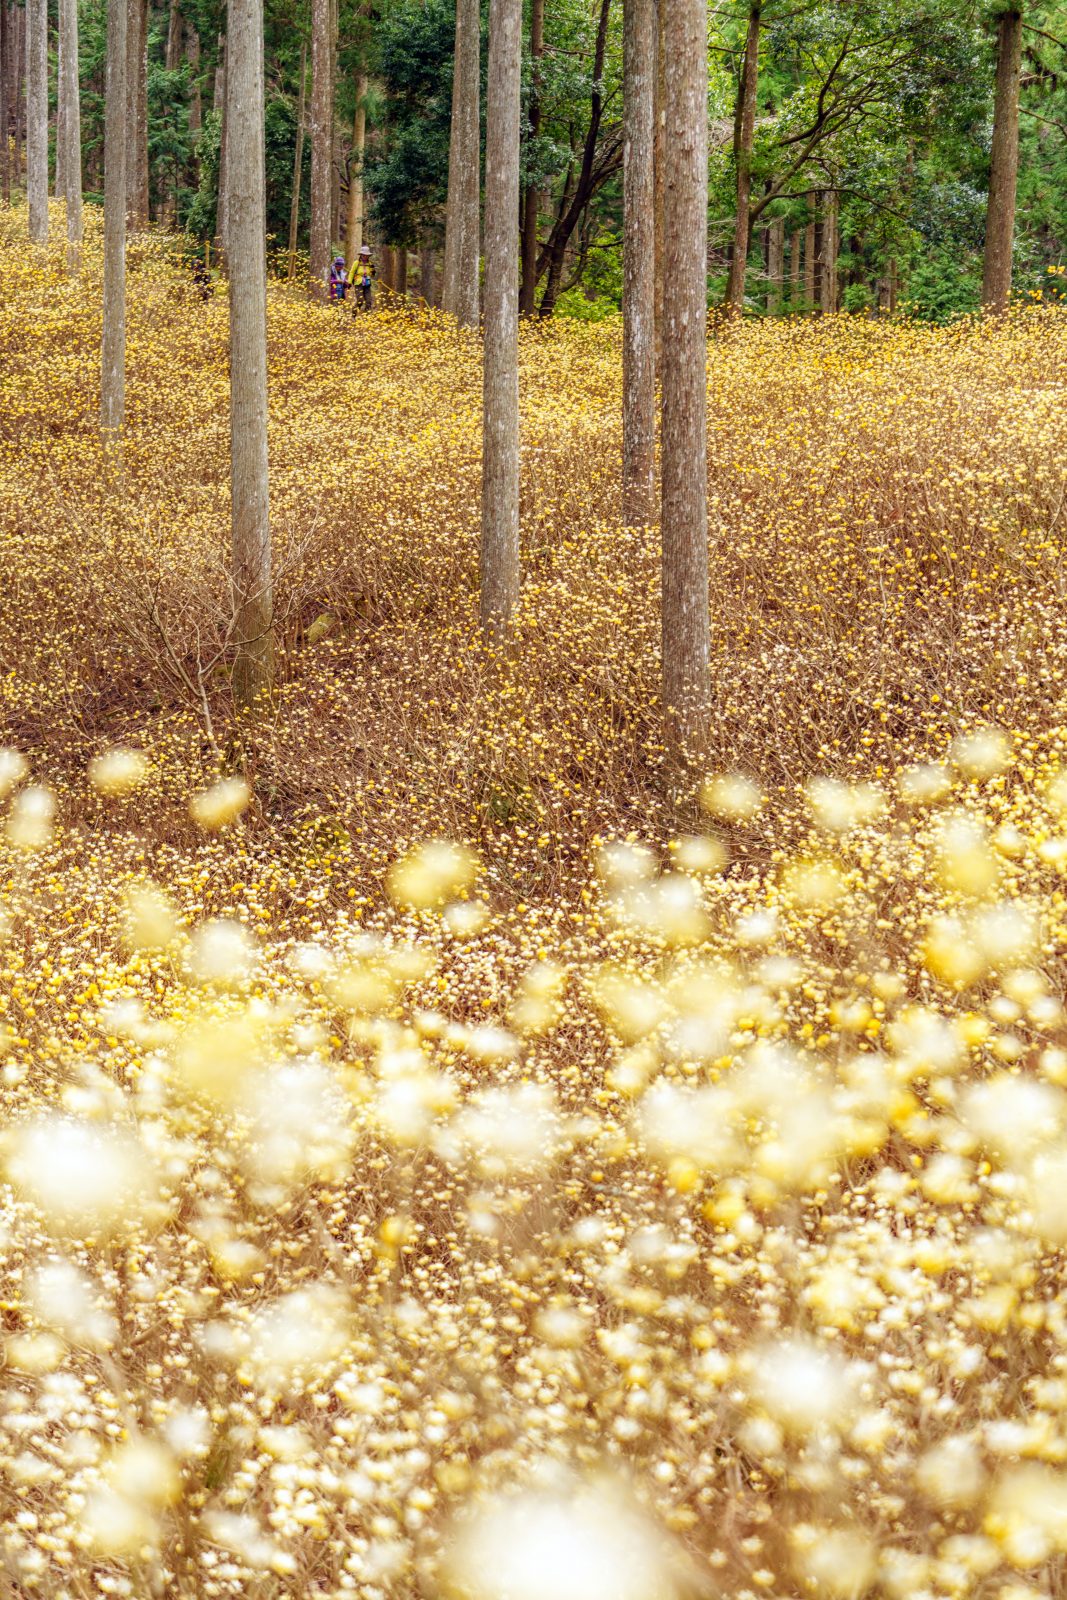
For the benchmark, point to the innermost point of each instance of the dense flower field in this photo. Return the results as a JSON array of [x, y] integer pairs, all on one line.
[[460, 1158]]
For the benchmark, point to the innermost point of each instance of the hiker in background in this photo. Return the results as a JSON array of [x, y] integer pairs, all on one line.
[[338, 280], [363, 275]]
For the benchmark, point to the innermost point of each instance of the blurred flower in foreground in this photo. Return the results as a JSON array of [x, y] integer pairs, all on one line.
[[86, 1180], [433, 873], [223, 803], [586, 1545], [117, 771]]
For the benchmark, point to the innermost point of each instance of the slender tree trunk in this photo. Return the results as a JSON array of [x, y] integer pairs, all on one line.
[[19, 69], [400, 275], [321, 145], [1004, 171], [174, 37], [222, 210], [428, 275], [638, 263], [253, 671], [818, 251], [113, 353], [796, 272], [58, 185], [500, 463], [5, 141], [387, 267], [660, 163], [37, 118], [459, 291], [744, 136], [196, 104], [809, 264], [775, 265], [137, 114], [532, 204], [354, 230], [335, 138], [298, 162], [72, 155], [829, 253], [686, 632]]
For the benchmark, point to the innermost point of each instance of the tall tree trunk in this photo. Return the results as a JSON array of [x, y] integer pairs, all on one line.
[[744, 136], [684, 517], [72, 154], [1004, 170], [775, 265], [254, 664], [113, 352], [638, 263], [354, 230], [459, 290], [500, 400], [222, 105], [387, 267], [659, 164], [59, 142], [196, 104], [321, 145], [828, 254], [37, 118], [137, 114], [532, 202], [19, 68], [400, 275], [5, 141], [796, 272], [818, 253], [174, 37], [335, 137], [428, 275], [809, 264], [298, 162]]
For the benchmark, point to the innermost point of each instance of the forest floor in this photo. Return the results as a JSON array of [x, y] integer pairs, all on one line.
[[694, 1164]]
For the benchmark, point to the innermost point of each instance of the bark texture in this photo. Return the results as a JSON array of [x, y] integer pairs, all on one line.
[[428, 275], [113, 353], [321, 145], [254, 664], [1004, 169], [684, 515], [137, 114], [459, 290], [744, 135], [5, 141], [37, 118], [298, 162], [775, 265], [354, 228], [532, 200], [222, 211], [72, 138], [638, 263], [660, 157], [500, 460]]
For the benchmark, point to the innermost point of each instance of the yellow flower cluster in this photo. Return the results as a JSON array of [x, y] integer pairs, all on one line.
[[448, 1159]]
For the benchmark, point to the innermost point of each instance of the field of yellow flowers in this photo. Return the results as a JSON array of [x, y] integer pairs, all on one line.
[[441, 1156]]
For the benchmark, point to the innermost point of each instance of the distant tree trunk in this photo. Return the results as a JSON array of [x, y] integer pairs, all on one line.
[[1004, 170], [532, 203], [809, 264], [37, 118], [298, 162], [5, 141], [428, 274], [400, 274], [354, 230], [72, 154], [660, 162], [638, 263], [222, 210], [459, 290], [500, 461], [137, 114], [796, 274], [321, 145], [827, 265], [18, 52], [744, 136], [192, 55], [113, 352], [335, 137], [253, 671], [775, 265], [59, 142], [174, 37], [818, 252], [684, 516], [387, 267]]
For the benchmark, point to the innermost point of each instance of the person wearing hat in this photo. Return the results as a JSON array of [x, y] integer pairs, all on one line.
[[338, 280], [363, 275]]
